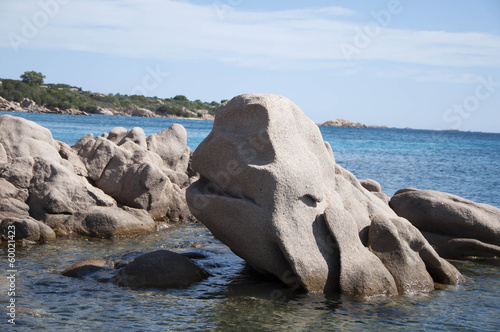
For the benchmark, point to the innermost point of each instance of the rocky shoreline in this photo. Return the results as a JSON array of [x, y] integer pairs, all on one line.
[[30, 106], [242, 184]]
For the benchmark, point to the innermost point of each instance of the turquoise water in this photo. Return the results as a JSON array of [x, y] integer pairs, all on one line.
[[466, 164]]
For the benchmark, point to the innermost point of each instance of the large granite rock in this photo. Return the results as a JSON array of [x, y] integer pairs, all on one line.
[[455, 226], [269, 188], [44, 179], [138, 171]]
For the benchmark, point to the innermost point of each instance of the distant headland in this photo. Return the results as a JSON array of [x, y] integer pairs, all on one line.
[[346, 123], [30, 94]]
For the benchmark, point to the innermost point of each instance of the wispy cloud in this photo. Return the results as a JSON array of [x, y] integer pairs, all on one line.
[[291, 39], [427, 75]]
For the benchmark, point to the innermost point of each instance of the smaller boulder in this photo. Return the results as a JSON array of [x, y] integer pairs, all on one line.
[[107, 222], [371, 185], [456, 227], [103, 111], [27, 228], [160, 269], [135, 135]]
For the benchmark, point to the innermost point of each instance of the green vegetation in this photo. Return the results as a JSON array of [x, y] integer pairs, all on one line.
[[65, 96], [32, 78]]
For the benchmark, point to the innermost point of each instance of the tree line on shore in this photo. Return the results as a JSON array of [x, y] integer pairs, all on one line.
[[64, 96]]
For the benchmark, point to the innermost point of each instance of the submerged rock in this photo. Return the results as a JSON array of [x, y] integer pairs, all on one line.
[[160, 269], [269, 188], [86, 268], [456, 227]]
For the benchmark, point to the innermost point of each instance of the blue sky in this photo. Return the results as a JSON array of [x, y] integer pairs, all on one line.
[[419, 64]]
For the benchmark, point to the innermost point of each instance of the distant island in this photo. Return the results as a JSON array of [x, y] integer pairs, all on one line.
[[347, 123], [30, 94]]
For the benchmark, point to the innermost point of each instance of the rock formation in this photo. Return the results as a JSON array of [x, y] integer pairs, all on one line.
[[142, 172], [342, 123], [455, 226], [45, 188], [269, 188], [28, 105]]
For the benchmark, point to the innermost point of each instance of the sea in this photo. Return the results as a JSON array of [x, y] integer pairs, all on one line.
[[466, 164]]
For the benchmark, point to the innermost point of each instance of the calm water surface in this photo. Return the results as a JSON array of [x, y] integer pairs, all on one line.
[[466, 164]]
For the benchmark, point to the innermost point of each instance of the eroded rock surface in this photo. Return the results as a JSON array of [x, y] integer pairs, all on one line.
[[269, 188]]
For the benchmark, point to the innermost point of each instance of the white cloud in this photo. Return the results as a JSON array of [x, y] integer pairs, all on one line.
[[290, 39], [428, 75]]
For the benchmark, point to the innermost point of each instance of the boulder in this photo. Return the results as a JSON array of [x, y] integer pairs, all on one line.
[[143, 113], [135, 135], [160, 269], [103, 111], [455, 226], [171, 146], [117, 134], [269, 188], [56, 193], [107, 222], [27, 228], [371, 185], [22, 138], [28, 105], [82, 141]]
